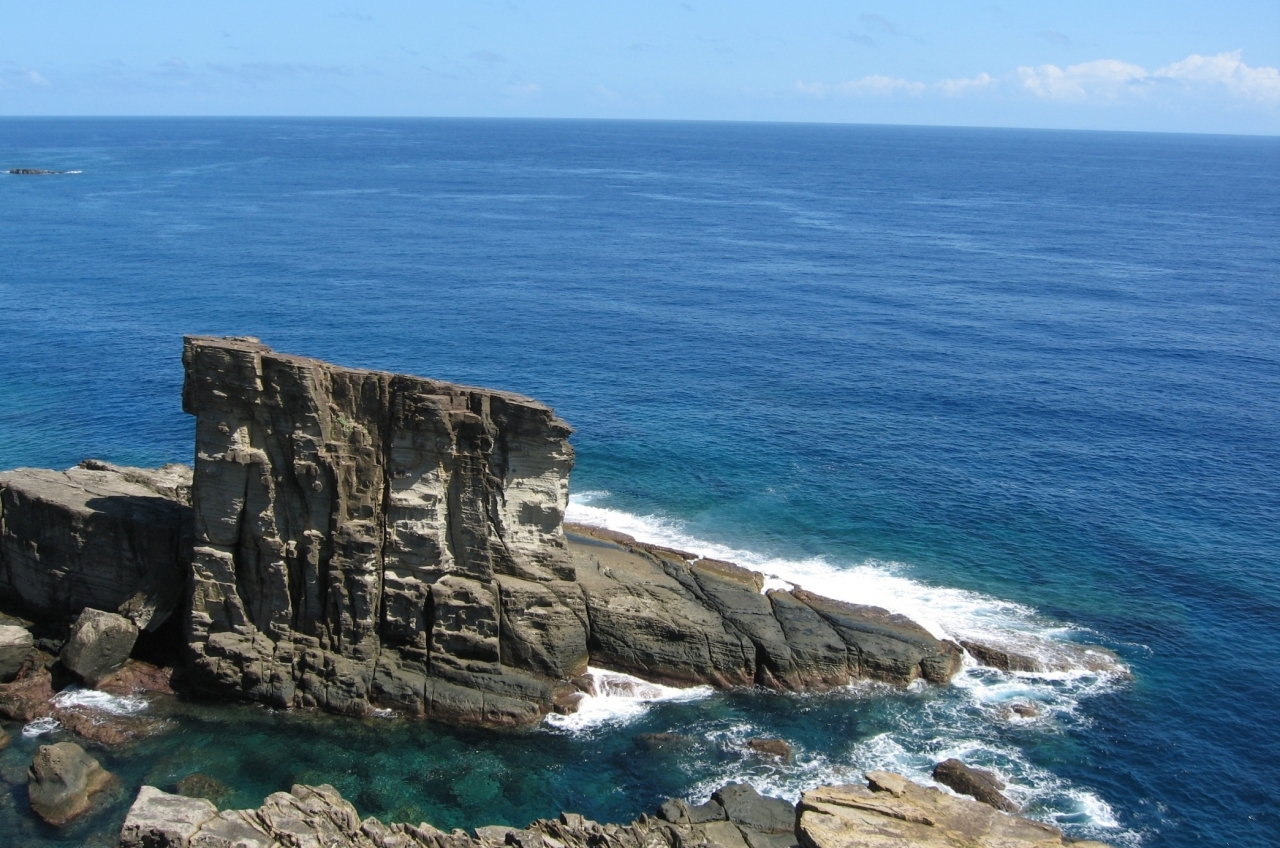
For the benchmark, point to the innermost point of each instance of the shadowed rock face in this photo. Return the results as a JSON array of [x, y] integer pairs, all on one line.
[[97, 535]]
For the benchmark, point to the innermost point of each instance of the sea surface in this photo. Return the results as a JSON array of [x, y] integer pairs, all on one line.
[[1009, 383]]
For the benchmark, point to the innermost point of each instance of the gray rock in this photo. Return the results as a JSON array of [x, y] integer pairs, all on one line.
[[16, 644], [748, 808], [61, 780], [160, 820], [99, 645], [976, 783], [97, 535]]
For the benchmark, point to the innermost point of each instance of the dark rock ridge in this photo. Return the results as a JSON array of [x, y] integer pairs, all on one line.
[[889, 812], [974, 782], [99, 536], [356, 539]]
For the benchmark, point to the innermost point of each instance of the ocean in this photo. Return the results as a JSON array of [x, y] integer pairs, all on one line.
[[1006, 382]]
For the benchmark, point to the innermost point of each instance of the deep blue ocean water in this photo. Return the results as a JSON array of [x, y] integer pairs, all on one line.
[[1006, 379]]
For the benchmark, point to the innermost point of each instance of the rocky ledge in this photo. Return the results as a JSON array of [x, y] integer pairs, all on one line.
[[889, 812], [355, 539]]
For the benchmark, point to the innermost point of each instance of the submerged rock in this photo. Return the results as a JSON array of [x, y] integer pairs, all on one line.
[[976, 783], [99, 645], [771, 748], [61, 780], [199, 785]]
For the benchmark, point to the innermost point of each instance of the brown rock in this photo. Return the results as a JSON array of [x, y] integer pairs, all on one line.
[[771, 747], [61, 780], [976, 783], [138, 677], [27, 698], [107, 729]]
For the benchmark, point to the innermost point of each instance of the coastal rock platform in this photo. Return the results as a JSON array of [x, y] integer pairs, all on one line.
[[889, 812]]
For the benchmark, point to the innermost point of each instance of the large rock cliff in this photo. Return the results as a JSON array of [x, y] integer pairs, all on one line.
[[355, 539]]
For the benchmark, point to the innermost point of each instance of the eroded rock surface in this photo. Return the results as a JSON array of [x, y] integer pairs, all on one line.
[[16, 644], [364, 538], [97, 535], [99, 645], [61, 780], [890, 812]]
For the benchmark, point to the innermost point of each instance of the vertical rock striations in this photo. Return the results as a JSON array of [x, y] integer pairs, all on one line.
[[356, 534]]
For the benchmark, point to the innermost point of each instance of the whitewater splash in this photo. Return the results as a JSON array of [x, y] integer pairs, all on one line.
[[965, 724], [120, 705], [618, 698]]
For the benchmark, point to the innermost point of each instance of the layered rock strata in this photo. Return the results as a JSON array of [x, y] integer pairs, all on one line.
[[890, 812], [98, 535], [364, 538]]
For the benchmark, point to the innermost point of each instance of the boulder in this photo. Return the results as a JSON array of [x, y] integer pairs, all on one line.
[[748, 808], [61, 780], [16, 644], [976, 783], [138, 677], [99, 645], [97, 535], [160, 820]]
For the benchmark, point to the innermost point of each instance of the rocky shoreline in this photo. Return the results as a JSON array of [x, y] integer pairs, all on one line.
[[889, 811], [356, 541]]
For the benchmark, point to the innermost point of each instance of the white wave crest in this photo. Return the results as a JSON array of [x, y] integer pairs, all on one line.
[[100, 701], [619, 698], [950, 727], [41, 726]]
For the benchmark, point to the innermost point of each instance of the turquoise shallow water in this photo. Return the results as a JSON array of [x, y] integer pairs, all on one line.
[[1010, 381]]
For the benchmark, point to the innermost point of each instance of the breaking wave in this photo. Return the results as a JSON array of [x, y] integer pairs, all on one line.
[[968, 722], [618, 698]]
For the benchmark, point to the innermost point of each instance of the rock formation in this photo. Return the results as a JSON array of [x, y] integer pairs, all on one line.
[[891, 812], [976, 783], [352, 539], [99, 645], [16, 645], [61, 780], [368, 538], [97, 535]]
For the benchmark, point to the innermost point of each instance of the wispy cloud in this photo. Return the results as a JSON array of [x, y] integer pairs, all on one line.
[[488, 57], [875, 85], [956, 87], [1111, 78], [1103, 77], [1054, 37], [878, 23], [1101, 80], [522, 89]]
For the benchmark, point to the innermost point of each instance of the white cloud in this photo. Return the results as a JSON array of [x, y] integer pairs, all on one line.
[[875, 85], [1225, 69], [955, 87], [1112, 78], [1104, 77]]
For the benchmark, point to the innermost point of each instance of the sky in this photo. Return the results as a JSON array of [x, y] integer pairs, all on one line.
[[1152, 66]]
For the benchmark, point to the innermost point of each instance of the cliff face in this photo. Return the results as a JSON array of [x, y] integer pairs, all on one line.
[[366, 538], [352, 539], [355, 531]]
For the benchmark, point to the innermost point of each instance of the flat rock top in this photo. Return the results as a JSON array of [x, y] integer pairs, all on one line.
[[81, 488], [250, 345]]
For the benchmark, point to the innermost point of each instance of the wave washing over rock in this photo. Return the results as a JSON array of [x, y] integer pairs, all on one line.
[[1020, 669]]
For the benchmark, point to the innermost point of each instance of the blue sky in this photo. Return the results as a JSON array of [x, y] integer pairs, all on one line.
[[1178, 66]]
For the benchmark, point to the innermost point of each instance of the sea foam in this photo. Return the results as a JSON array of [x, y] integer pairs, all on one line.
[[619, 698], [965, 727]]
